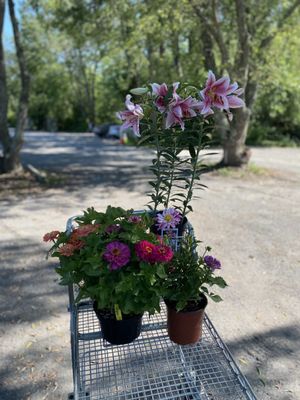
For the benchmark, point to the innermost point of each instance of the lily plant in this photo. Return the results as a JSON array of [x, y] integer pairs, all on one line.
[[175, 119]]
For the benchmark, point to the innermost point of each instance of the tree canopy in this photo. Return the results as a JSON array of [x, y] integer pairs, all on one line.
[[84, 56]]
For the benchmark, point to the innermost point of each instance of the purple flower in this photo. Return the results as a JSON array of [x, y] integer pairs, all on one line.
[[113, 228], [168, 219], [117, 254], [135, 219], [212, 263]]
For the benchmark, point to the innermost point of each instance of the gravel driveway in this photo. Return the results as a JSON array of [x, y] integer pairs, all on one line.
[[252, 221]]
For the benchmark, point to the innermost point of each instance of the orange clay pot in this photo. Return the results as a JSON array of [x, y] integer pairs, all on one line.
[[185, 327]]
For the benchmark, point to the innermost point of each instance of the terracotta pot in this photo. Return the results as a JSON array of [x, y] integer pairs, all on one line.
[[185, 327], [119, 332]]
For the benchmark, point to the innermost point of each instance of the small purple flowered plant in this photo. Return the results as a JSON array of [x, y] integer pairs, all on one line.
[[212, 263], [114, 228], [168, 219], [135, 219], [117, 254]]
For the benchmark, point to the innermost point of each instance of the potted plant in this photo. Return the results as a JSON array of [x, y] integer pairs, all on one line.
[[188, 282], [113, 259]]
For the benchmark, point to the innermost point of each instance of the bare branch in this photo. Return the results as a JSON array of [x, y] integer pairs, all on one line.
[[213, 28], [242, 56], [207, 43]]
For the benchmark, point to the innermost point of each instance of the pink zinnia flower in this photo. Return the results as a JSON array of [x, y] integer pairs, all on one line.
[[67, 250], [161, 92], [117, 254], [131, 116], [75, 240], [168, 219], [51, 236], [145, 251], [163, 253], [221, 94], [85, 230]]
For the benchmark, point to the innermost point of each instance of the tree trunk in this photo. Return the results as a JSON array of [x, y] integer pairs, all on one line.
[[5, 163], [176, 54], [235, 152], [12, 146]]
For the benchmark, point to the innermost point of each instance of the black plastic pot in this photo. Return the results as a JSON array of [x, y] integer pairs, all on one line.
[[119, 332]]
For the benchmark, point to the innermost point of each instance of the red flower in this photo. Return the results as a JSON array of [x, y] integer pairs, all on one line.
[[145, 251], [151, 253], [51, 236], [163, 253]]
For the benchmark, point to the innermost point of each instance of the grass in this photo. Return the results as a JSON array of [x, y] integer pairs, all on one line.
[[284, 142], [250, 170]]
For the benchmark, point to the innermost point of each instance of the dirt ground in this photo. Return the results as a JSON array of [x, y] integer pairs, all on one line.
[[250, 218]]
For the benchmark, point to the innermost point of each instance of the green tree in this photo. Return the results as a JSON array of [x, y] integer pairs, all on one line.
[[240, 34]]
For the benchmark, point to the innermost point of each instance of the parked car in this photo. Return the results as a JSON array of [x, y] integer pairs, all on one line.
[[108, 131], [114, 132], [101, 130]]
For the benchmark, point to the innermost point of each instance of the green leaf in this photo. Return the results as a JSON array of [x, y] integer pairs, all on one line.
[[215, 298], [219, 281], [192, 151], [161, 271]]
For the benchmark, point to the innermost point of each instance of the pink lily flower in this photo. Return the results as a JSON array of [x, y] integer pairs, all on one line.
[[182, 108], [161, 91], [190, 107], [174, 115], [220, 94], [131, 116]]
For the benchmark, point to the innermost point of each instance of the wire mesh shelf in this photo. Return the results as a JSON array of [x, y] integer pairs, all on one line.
[[153, 367]]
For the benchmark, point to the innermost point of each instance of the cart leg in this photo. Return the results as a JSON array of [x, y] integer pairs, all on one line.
[[71, 396]]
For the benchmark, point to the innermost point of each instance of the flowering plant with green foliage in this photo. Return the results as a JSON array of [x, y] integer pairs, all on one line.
[[189, 276], [175, 119], [114, 259]]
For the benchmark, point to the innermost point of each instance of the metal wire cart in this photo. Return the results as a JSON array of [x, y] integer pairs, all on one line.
[[151, 367]]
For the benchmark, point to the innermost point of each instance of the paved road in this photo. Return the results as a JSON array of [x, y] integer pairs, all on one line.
[[252, 223]]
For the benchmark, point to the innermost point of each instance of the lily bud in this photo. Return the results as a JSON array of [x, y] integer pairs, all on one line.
[[139, 91]]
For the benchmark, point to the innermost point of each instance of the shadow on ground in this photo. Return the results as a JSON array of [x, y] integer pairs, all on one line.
[[85, 161], [272, 353], [34, 331]]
